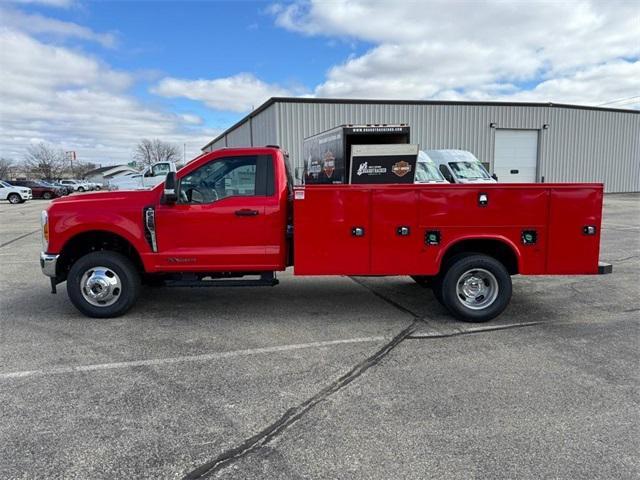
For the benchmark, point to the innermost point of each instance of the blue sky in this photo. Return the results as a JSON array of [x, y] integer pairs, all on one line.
[[97, 76]]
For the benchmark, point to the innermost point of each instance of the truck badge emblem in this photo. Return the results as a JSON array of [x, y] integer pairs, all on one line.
[[401, 168]]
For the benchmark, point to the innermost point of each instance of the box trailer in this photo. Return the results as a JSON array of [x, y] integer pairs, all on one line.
[[327, 155]]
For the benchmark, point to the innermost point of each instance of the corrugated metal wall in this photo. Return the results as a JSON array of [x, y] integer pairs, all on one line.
[[579, 145], [264, 127]]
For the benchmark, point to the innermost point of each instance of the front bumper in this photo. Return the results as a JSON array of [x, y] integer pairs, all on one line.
[[48, 264]]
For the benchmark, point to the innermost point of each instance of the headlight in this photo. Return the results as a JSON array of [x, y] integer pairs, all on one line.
[[44, 220]]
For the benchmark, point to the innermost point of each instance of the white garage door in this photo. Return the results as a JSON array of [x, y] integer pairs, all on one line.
[[516, 156]]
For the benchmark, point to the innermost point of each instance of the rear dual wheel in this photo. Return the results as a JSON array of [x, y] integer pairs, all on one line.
[[473, 287]]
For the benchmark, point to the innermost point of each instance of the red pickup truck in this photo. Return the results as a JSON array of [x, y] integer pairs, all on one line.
[[233, 217]]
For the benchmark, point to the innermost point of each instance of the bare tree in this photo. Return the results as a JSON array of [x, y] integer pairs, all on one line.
[[5, 167], [44, 161], [148, 152], [80, 169]]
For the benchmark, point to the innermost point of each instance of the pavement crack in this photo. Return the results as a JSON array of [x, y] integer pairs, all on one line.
[[18, 238], [294, 414], [387, 299], [472, 330]]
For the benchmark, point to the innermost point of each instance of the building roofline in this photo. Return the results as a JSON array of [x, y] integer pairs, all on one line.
[[362, 101]]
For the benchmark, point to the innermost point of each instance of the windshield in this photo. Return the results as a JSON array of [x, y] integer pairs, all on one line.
[[4, 184], [468, 170], [427, 172]]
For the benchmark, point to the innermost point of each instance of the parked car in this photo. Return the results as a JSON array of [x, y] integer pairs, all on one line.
[[13, 193], [64, 190], [39, 190], [76, 185], [460, 166], [93, 185]]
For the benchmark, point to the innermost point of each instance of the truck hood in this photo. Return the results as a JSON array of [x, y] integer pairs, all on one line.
[[107, 198]]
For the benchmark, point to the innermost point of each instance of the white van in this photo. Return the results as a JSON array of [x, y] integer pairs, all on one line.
[[460, 166], [427, 171]]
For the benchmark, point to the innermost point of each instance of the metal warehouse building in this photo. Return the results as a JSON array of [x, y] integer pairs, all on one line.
[[560, 143]]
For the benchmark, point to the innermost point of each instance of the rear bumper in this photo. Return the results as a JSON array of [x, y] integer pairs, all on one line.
[[48, 264], [604, 268]]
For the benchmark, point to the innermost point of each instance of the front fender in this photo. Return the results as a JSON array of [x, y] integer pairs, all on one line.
[[65, 229]]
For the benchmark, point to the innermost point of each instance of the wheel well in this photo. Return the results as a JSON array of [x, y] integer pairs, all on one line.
[[497, 249], [94, 241]]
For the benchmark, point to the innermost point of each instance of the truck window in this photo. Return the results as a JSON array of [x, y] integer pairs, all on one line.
[[469, 170], [159, 169], [446, 174], [221, 178]]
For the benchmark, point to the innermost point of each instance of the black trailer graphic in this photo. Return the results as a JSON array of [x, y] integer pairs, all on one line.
[[383, 163], [327, 155]]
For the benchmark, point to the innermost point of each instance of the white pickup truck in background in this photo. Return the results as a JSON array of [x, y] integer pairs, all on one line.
[[148, 178]]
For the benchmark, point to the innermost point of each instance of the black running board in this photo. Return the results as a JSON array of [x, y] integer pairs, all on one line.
[[265, 280]]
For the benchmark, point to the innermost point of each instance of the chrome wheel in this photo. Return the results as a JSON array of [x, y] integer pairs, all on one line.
[[14, 198], [477, 289], [100, 286]]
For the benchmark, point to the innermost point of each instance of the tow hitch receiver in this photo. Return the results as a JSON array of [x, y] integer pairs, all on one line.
[[604, 268]]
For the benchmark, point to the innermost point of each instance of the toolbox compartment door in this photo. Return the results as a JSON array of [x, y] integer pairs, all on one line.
[[326, 236], [396, 241], [572, 249]]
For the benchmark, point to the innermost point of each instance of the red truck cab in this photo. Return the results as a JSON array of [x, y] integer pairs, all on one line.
[[232, 217]]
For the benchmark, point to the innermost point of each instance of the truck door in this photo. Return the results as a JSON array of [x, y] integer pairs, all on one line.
[[218, 222]]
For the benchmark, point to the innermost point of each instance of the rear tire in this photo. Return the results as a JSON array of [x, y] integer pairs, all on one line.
[[475, 288], [46, 195], [81, 189], [14, 198], [103, 284]]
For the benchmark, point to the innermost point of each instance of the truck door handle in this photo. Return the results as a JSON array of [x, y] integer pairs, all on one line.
[[246, 212], [514, 171]]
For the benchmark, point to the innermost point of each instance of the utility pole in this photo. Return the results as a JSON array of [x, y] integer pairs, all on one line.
[[184, 153], [71, 155]]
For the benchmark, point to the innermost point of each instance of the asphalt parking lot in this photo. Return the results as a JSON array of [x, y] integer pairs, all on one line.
[[322, 377]]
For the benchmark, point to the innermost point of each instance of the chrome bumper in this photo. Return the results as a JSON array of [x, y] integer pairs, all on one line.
[[48, 264]]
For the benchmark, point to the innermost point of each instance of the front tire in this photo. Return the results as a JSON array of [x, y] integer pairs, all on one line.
[[46, 196], [81, 189], [475, 288], [14, 198], [103, 284]]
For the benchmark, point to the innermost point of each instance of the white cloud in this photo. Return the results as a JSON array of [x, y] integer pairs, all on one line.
[[66, 98], [239, 93], [49, 3], [38, 24], [443, 49]]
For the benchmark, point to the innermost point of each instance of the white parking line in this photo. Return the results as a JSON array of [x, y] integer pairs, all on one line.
[[193, 358]]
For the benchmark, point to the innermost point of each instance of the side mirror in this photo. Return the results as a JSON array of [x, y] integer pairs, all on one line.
[[494, 176], [170, 195]]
